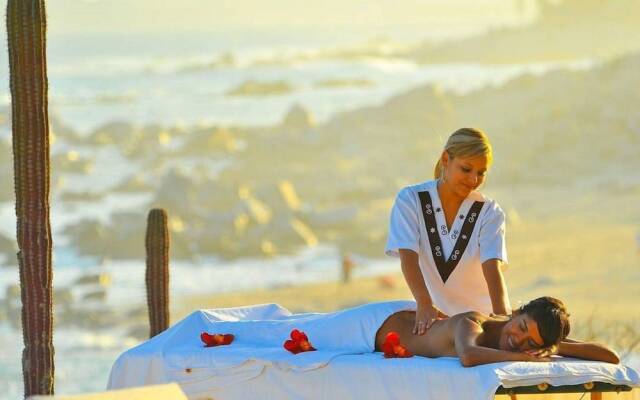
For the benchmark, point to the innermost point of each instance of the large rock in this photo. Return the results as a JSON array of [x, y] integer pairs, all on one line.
[[298, 119]]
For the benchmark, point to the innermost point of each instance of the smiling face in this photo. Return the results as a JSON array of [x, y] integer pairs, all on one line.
[[520, 334], [464, 174]]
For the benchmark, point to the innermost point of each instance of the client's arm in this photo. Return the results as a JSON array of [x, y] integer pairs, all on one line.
[[466, 335], [587, 351]]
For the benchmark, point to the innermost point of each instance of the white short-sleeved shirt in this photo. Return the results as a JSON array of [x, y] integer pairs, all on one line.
[[466, 288]]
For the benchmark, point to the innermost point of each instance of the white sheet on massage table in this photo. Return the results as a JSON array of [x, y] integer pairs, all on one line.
[[366, 376], [335, 375]]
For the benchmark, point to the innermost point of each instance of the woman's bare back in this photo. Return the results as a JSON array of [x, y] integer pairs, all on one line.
[[438, 341]]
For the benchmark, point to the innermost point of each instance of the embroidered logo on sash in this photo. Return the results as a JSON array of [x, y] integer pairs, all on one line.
[[446, 267]]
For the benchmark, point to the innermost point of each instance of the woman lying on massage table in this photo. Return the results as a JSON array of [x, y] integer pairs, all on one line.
[[536, 331]]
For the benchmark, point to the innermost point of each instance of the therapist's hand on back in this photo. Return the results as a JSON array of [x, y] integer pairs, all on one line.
[[426, 315]]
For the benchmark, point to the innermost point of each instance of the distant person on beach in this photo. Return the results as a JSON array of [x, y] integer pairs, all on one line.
[[451, 238], [535, 331], [347, 267]]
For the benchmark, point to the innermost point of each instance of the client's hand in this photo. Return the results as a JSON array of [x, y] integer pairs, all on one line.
[[425, 317], [543, 352], [529, 357]]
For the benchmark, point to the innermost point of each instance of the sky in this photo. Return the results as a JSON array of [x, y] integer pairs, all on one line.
[[89, 16]]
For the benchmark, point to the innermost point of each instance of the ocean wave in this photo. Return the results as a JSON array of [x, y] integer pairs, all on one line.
[[97, 97], [371, 51]]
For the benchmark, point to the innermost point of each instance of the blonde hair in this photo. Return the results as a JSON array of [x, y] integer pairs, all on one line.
[[465, 142]]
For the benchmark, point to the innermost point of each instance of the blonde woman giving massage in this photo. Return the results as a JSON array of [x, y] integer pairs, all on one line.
[[451, 238]]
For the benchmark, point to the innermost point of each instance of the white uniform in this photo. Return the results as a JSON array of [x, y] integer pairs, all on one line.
[[466, 288]]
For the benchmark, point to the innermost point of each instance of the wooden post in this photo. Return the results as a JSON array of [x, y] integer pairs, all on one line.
[[26, 34], [157, 273]]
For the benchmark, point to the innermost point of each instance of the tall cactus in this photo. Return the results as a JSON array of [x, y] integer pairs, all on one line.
[[157, 274], [26, 33]]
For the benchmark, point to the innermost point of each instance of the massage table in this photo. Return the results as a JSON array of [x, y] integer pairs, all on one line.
[[256, 366]]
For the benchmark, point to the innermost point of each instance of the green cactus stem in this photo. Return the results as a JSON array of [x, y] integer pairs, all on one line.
[[157, 274], [26, 34]]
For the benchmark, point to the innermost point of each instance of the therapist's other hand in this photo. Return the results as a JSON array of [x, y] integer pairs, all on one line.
[[425, 317]]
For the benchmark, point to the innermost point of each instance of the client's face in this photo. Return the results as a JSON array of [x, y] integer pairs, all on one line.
[[520, 334]]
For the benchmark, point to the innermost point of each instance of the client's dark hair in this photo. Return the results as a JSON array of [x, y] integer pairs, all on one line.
[[551, 316]]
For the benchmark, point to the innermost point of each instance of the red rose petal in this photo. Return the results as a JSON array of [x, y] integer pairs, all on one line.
[[387, 348], [392, 347], [393, 338], [292, 346], [227, 338], [218, 338], [298, 343], [305, 345], [207, 339], [298, 336], [402, 351]]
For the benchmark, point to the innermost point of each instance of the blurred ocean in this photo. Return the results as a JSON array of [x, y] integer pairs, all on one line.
[[180, 79], [183, 79]]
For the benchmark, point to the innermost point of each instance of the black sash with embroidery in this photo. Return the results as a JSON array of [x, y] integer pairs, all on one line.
[[446, 267]]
